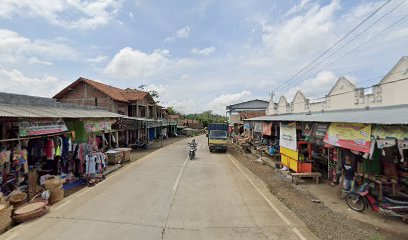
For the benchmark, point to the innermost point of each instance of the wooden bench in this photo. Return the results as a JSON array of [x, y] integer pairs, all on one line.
[[296, 176]]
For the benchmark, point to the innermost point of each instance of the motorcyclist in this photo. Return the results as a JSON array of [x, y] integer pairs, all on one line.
[[194, 144]]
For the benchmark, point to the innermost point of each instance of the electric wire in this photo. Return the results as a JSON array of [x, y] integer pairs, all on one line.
[[351, 40], [335, 44]]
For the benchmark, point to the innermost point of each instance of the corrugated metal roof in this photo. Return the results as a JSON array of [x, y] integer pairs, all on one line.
[[380, 115], [7, 110]]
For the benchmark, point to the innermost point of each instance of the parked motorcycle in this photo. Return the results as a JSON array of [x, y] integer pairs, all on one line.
[[192, 150], [139, 144], [359, 201]]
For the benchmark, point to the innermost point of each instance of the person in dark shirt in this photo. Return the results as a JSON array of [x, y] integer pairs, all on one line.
[[348, 173]]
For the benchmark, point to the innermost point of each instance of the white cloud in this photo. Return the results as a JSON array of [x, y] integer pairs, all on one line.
[[84, 15], [97, 59], [131, 16], [297, 7], [204, 52], [219, 103], [314, 87], [133, 63], [14, 81], [181, 33], [35, 60], [16, 49]]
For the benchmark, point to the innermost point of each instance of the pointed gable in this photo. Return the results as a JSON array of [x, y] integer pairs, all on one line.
[[299, 97], [342, 85], [400, 70]]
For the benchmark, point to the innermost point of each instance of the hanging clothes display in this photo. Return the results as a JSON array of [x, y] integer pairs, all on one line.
[[95, 163]]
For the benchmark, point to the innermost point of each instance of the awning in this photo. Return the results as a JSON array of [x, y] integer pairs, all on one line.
[[380, 115], [28, 111]]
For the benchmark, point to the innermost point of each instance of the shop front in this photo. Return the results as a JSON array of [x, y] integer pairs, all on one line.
[[295, 155]]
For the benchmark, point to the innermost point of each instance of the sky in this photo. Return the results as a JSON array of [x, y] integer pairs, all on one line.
[[199, 55]]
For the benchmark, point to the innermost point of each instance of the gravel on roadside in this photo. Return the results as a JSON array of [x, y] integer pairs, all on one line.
[[320, 219]]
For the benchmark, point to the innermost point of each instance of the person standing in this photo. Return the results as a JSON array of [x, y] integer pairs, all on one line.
[[348, 173]]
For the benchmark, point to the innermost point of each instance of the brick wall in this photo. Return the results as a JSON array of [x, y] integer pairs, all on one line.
[[84, 94]]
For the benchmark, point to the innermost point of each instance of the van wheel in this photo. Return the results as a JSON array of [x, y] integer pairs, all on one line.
[[210, 150]]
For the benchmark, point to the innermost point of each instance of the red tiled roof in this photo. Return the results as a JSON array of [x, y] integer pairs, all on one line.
[[115, 93], [133, 95]]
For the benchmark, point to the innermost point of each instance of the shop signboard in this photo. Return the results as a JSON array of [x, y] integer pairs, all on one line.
[[382, 132], [97, 126], [288, 136], [353, 136], [41, 127]]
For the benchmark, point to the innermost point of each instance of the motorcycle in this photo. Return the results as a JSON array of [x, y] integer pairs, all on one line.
[[359, 201], [139, 144], [191, 152]]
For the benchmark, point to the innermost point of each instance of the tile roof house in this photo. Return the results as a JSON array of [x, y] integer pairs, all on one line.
[[130, 102]]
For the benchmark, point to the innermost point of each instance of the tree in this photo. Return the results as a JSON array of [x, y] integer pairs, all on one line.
[[172, 111]]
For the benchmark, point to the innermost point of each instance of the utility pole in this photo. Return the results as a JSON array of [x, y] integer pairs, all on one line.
[[161, 132]]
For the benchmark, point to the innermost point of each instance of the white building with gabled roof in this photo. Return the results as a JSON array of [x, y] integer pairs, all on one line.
[[391, 90]]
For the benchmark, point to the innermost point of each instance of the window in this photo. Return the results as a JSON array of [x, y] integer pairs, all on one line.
[[96, 102]]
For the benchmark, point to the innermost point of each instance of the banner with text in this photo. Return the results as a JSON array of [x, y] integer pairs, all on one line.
[[41, 127], [288, 136], [352, 136], [97, 126]]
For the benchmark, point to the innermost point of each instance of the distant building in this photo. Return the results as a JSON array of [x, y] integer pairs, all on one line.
[[390, 91], [239, 111]]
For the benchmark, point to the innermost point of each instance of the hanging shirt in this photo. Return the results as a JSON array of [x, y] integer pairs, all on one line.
[[49, 150]]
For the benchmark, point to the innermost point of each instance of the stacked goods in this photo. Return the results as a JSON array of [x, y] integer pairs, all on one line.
[[54, 185], [5, 216], [33, 187]]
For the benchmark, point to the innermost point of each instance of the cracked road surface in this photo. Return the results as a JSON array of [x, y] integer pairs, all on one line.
[[166, 196]]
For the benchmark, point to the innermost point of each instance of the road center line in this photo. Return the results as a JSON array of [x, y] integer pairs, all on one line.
[[179, 175], [280, 214]]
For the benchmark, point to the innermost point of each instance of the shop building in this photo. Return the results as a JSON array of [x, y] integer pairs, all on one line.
[[238, 112], [375, 139], [144, 117], [389, 91], [41, 138]]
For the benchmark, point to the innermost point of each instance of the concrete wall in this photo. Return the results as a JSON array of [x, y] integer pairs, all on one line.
[[391, 90]]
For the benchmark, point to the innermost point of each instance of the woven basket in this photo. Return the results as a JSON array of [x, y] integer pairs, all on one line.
[[53, 183], [18, 199], [5, 217], [30, 215], [56, 195]]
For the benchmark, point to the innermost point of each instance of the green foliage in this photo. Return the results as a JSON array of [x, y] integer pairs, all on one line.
[[172, 111], [206, 117]]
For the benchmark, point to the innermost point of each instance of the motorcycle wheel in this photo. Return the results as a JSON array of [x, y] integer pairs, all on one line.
[[355, 202]]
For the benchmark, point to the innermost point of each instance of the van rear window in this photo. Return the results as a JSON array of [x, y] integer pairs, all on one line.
[[218, 134]]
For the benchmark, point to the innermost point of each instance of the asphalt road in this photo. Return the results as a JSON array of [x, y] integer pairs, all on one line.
[[166, 196]]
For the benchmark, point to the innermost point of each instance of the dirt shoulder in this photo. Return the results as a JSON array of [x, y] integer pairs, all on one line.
[[320, 219]]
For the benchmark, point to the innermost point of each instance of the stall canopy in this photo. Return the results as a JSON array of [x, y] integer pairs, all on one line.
[[63, 111], [379, 115]]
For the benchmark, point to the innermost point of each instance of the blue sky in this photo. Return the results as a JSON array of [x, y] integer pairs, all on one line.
[[199, 55]]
